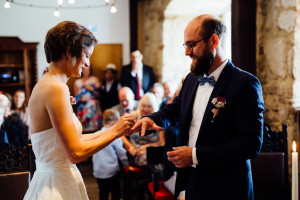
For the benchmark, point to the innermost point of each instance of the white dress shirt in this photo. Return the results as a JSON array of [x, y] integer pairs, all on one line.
[[105, 162], [110, 83], [140, 75], [201, 101]]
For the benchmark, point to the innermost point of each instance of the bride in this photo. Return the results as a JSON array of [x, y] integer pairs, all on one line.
[[57, 138]]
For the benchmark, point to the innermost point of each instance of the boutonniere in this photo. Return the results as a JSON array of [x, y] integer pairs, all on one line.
[[218, 102], [72, 100]]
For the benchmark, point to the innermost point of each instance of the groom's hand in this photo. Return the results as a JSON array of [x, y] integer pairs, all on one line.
[[143, 124], [181, 156]]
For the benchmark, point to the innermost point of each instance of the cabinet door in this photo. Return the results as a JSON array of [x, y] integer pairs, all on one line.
[[102, 55], [12, 75], [18, 68]]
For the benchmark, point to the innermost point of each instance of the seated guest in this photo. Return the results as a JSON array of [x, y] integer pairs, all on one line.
[[158, 91], [4, 104], [105, 162], [137, 76], [19, 106], [127, 103], [12, 129], [137, 145], [109, 88], [170, 88]]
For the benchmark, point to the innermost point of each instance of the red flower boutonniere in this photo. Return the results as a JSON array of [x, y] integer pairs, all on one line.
[[72, 100], [218, 102]]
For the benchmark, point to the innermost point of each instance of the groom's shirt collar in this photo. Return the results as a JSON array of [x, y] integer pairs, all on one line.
[[218, 71]]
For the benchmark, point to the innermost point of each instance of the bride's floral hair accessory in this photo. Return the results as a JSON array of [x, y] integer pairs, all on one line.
[[72, 100], [218, 102]]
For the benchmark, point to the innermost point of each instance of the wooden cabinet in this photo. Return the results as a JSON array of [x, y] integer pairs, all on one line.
[[18, 65]]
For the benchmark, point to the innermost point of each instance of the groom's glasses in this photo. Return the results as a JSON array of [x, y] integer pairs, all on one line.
[[191, 45]]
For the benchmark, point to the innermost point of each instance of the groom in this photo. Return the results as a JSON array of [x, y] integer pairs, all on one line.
[[220, 108]]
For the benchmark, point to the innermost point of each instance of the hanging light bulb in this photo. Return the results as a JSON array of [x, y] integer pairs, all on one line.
[[107, 1], [71, 1], [7, 4], [113, 9], [60, 2], [56, 13]]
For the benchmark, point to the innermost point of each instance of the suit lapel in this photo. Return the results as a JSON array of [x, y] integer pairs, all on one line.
[[221, 83], [144, 77], [189, 103]]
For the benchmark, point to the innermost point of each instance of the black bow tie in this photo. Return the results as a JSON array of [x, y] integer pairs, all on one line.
[[210, 80]]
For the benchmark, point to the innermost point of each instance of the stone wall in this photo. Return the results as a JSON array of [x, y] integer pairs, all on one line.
[[153, 31], [276, 63]]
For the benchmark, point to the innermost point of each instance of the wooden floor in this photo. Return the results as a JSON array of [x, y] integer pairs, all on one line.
[[86, 169]]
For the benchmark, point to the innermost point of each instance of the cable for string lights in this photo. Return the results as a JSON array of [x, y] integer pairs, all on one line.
[[112, 3]]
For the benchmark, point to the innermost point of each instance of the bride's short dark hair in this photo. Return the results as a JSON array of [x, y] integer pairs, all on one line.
[[67, 35]]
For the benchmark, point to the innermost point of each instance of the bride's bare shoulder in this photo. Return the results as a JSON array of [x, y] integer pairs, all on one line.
[[47, 88]]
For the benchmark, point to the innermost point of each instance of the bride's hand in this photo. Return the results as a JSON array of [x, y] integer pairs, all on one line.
[[124, 125]]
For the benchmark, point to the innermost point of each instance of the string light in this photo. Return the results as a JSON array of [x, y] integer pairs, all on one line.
[[60, 2], [71, 1], [113, 9], [110, 3], [56, 13], [7, 4]]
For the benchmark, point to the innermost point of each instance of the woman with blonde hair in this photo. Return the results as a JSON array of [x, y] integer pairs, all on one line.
[[138, 145]]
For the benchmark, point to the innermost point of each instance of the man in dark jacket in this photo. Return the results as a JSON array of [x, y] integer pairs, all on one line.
[[220, 108], [109, 88], [137, 76]]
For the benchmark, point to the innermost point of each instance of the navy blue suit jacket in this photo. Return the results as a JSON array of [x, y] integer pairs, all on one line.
[[128, 80], [225, 145]]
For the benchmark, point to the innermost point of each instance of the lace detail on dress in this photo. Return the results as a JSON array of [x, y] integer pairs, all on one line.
[[55, 177]]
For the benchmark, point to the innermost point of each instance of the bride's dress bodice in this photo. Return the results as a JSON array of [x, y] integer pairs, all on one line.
[[48, 150], [55, 176]]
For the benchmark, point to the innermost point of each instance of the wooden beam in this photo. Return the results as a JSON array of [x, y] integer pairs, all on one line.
[[244, 35]]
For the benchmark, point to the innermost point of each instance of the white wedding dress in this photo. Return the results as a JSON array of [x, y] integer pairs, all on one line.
[[55, 176]]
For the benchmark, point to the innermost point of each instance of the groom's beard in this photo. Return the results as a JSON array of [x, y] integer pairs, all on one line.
[[202, 64]]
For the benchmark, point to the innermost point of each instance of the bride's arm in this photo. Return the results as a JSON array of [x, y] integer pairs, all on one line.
[[92, 136], [60, 113]]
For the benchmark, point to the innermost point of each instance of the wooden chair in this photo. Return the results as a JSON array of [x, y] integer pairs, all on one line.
[[14, 185], [155, 162], [14, 171], [133, 183], [270, 168]]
